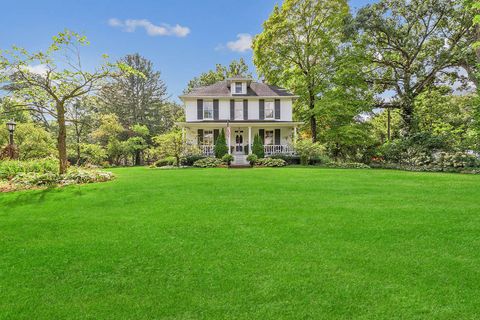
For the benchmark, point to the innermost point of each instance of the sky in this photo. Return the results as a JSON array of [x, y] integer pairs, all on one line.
[[181, 38]]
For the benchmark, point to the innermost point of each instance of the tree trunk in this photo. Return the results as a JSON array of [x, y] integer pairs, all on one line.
[[137, 158], [62, 139], [407, 118], [313, 120]]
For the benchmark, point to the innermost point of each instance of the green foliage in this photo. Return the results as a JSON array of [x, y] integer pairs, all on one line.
[[252, 158], [257, 147], [168, 161], [10, 168], [139, 97], [208, 162], [347, 165], [190, 159], [227, 158], [402, 40], [108, 128], [270, 162], [220, 149], [33, 141], [92, 154], [171, 144], [236, 68], [307, 150]]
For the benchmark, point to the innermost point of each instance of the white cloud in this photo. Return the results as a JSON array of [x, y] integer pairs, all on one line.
[[130, 25], [39, 69], [242, 44]]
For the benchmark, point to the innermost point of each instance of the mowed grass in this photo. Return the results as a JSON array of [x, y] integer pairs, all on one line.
[[290, 243]]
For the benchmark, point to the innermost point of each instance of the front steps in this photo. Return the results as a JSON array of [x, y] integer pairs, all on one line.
[[240, 160]]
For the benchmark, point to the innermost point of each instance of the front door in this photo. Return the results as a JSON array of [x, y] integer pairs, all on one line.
[[238, 141]]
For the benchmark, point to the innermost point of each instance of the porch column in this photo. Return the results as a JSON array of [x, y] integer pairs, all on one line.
[[294, 134], [228, 139], [249, 140]]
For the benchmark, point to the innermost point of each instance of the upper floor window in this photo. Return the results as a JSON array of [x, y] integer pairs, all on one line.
[[238, 110], [238, 87], [208, 110], [269, 110]]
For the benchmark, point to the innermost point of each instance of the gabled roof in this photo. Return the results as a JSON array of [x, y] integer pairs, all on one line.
[[221, 89]]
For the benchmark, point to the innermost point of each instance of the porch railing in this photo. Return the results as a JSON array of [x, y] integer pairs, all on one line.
[[269, 150], [278, 149], [206, 149]]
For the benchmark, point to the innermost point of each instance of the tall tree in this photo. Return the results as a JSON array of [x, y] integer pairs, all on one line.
[[235, 68], [80, 116], [411, 45], [61, 80], [297, 49], [136, 98]]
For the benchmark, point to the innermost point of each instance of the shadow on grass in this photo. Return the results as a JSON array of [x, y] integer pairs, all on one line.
[[37, 197]]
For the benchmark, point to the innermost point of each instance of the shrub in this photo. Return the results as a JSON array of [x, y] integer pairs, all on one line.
[[227, 158], [167, 161], [257, 148], [189, 160], [209, 162], [10, 168], [220, 149], [252, 158], [307, 150], [289, 159], [269, 162], [347, 165], [73, 176]]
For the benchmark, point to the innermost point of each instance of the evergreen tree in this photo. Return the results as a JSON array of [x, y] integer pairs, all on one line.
[[220, 148], [257, 147]]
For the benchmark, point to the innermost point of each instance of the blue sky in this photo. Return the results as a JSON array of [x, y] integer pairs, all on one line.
[[182, 38]]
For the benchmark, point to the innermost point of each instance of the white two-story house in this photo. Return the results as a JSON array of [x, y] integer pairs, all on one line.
[[243, 108]]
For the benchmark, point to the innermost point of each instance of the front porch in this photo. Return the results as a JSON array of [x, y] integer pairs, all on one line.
[[277, 137], [207, 149]]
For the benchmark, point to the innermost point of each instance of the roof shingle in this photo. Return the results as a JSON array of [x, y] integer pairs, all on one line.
[[256, 89]]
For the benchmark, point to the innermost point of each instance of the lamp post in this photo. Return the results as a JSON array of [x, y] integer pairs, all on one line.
[[11, 149], [11, 128]]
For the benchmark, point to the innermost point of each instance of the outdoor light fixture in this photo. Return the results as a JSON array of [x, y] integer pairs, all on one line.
[[11, 128], [11, 125]]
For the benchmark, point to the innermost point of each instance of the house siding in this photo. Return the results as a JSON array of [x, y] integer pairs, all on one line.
[[253, 109]]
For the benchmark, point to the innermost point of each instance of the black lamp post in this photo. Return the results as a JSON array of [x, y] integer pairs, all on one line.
[[11, 128]]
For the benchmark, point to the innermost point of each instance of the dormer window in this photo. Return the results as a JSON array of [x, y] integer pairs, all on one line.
[[238, 88]]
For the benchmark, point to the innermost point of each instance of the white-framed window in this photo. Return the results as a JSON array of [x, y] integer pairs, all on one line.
[[238, 87], [208, 137], [269, 110], [268, 137], [208, 109], [238, 110]]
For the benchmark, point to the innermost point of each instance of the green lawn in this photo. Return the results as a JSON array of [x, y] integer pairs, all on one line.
[[289, 243]]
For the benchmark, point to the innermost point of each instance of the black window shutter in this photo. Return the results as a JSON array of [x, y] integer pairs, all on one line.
[[200, 136], [245, 109], [232, 109], [277, 108], [277, 137], [215, 109], [199, 109], [216, 132], [261, 133], [261, 109]]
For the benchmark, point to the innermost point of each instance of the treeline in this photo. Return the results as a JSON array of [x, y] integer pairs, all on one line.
[[392, 82]]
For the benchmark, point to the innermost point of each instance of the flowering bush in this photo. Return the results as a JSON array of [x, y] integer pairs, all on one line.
[[10, 168], [207, 163], [269, 162], [347, 165], [252, 158]]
